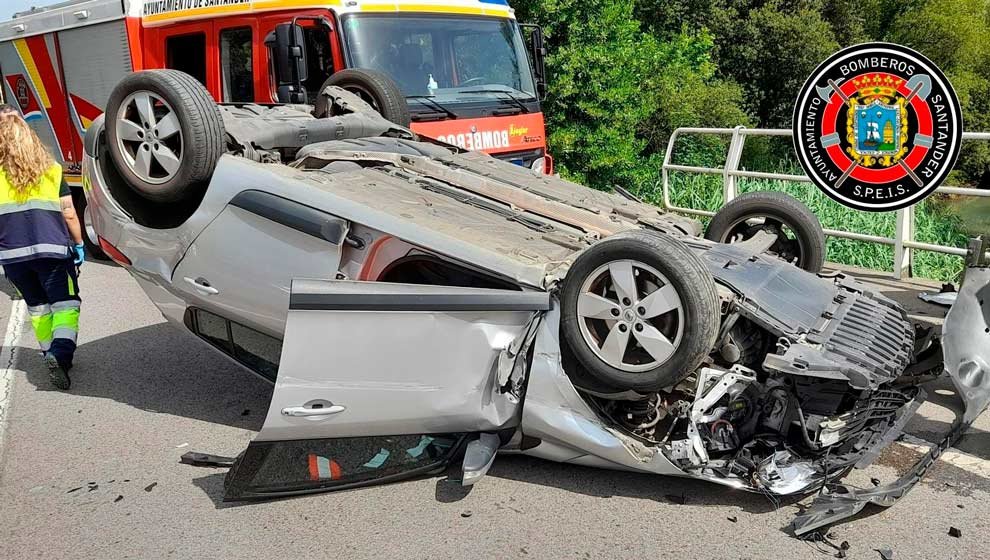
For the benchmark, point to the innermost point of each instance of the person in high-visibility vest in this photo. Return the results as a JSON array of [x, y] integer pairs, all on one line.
[[41, 244]]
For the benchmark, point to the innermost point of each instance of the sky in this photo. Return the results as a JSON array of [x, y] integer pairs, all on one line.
[[8, 7]]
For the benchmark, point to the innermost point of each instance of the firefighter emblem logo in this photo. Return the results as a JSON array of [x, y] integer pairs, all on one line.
[[877, 127], [22, 93]]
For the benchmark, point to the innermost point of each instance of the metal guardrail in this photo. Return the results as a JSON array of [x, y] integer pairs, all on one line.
[[904, 242]]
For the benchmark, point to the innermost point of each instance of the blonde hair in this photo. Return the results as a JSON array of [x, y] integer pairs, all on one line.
[[23, 158]]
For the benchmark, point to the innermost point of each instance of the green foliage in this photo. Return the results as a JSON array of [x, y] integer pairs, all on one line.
[[616, 93], [623, 74]]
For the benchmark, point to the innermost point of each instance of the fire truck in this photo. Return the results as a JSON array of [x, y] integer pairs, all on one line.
[[460, 71]]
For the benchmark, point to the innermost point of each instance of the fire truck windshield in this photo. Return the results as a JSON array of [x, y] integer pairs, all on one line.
[[448, 59]]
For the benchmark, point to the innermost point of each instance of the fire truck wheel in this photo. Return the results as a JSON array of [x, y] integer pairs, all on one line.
[[800, 237], [165, 134], [374, 87], [639, 312]]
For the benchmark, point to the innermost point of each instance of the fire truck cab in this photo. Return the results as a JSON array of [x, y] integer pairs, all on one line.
[[469, 74]]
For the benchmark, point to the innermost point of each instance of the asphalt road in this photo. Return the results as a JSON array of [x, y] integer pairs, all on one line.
[[95, 473]]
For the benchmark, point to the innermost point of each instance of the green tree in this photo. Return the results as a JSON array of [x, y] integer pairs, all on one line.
[[616, 92]]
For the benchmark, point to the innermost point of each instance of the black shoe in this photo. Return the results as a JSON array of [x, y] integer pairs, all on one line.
[[58, 375]]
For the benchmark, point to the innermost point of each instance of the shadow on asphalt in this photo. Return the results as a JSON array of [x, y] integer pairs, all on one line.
[[160, 369]]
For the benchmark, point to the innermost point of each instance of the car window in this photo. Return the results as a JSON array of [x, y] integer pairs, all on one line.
[[212, 328], [237, 65], [294, 466], [256, 351], [187, 53]]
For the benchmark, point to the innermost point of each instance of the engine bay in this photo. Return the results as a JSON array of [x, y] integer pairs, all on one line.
[[783, 403]]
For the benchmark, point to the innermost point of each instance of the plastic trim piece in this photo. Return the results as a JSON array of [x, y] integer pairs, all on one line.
[[498, 300], [293, 215]]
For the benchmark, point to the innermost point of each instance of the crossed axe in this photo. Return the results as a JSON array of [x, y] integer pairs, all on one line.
[[920, 86]]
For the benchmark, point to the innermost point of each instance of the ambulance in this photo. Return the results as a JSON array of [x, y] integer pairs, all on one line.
[[470, 75]]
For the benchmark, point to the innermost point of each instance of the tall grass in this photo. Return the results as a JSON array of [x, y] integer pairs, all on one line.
[[934, 223]]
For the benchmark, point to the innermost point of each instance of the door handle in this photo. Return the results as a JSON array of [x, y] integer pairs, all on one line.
[[202, 285], [303, 412]]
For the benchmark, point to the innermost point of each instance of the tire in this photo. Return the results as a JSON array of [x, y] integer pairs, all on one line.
[[691, 328], [375, 88], [181, 104], [776, 208], [93, 251]]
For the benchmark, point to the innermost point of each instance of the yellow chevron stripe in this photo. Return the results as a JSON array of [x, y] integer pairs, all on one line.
[[32, 70]]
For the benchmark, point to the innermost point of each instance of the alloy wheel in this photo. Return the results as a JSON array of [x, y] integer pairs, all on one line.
[[630, 315], [149, 137]]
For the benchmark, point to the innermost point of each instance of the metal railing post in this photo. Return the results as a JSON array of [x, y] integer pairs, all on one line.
[[904, 235], [729, 190], [664, 173]]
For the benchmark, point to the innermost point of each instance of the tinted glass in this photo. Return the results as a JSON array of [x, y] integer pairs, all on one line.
[[213, 329], [325, 464], [237, 65], [257, 351]]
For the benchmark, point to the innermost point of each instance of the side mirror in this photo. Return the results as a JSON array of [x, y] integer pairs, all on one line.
[[287, 49], [538, 55]]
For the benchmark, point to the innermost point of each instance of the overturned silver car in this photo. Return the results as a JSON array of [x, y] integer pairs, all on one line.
[[415, 304]]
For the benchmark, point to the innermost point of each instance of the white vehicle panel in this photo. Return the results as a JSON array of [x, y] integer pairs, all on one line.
[[415, 371]]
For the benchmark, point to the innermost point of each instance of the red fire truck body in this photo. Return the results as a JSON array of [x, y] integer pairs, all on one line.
[[463, 65]]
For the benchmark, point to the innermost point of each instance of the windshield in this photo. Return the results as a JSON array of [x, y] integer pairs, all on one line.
[[450, 59]]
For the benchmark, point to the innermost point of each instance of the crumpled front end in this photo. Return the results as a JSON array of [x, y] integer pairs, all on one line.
[[966, 350]]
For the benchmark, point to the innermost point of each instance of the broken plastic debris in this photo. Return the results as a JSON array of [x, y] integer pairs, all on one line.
[[886, 553], [378, 460], [781, 476], [954, 532], [732, 518], [941, 298], [118, 498], [206, 460], [467, 513], [150, 487]]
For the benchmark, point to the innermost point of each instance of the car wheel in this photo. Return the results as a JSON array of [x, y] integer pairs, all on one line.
[[93, 249], [165, 134], [372, 86], [800, 238], [639, 311]]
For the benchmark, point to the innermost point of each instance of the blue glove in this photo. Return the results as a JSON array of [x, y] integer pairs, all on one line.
[[80, 255]]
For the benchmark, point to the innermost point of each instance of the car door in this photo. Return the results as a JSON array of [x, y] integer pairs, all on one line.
[[220, 271], [379, 382]]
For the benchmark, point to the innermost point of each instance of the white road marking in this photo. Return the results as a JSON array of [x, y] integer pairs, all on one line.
[[969, 463], [8, 355]]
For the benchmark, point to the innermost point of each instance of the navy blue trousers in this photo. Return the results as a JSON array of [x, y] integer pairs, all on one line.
[[50, 288]]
